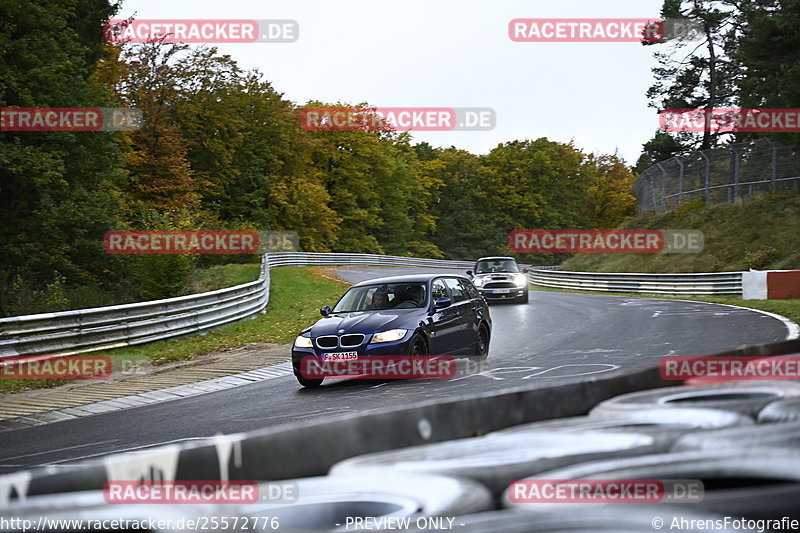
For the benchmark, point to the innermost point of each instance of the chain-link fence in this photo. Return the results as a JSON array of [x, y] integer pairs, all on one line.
[[719, 175]]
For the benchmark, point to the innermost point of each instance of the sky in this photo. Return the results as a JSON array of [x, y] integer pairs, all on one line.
[[452, 53]]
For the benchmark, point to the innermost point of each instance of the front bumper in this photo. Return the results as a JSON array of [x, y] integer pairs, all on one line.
[[383, 349], [490, 294]]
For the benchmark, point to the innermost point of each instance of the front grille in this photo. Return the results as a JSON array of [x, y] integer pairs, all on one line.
[[499, 285], [351, 341], [327, 341]]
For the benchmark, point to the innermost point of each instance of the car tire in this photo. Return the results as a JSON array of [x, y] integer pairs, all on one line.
[[524, 298], [780, 434], [481, 345], [781, 411], [744, 397], [757, 484], [316, 504], [418, 346], [496, 462], [322, 503], [666, 426]]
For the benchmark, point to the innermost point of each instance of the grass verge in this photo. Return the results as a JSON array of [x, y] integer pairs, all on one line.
[[296, 294], [221, 277], [758, 233]]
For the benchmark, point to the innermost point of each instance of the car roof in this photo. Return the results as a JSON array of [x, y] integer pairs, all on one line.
[[409, 278], [492, 258]]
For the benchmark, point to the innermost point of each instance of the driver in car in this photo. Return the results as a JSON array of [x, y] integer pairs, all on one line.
[[412, 296]]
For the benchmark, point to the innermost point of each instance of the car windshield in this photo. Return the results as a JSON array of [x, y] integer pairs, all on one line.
[[382, 296], [496, 265]]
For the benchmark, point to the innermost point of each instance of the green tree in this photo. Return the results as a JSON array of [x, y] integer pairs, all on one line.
[[769, 52], [611, 194], [697, 74], [465, 229], [58, 190]]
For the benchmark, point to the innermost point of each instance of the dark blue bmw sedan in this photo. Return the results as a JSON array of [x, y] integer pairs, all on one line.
[[417, 315]]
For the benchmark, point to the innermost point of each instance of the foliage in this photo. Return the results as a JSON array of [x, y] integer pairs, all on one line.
[[220, 148]]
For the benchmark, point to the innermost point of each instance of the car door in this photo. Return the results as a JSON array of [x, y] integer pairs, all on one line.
[[444, 323], [473, 309], [464, 337]]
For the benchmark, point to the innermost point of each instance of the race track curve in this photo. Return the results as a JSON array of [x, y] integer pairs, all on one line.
[[556, 337]]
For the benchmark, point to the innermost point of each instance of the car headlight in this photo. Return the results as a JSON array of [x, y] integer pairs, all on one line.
[[478, 281], [521, 280], [389, 336], [302, 342]]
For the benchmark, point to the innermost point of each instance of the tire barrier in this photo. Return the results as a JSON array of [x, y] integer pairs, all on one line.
[[748, 474], [753, 483], [781, 411], [497, 461], [779, 434], [634, 518], [91, 505], [747, 397], [326, 502], [322, 504], [311, 448], [663, 425]]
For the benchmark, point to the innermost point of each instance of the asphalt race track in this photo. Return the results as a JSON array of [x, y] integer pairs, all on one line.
[[556, 337]]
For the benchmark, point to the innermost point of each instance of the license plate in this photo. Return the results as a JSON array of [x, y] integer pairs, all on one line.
[[501, 291], [341, 356]]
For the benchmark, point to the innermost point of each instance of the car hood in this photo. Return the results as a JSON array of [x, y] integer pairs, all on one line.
[[367, 322]]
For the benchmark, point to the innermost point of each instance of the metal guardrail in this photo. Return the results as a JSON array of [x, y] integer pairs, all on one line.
[[699, 284], [339, 259], [103, 328]]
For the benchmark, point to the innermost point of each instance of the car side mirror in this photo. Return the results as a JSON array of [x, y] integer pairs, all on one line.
[[325, 311], [526, 269], [441, 303], [469, 272]]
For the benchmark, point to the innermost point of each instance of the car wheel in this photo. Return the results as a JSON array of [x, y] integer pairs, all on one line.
[[481, 345], [523, 299], [308, 383], [418, 346]]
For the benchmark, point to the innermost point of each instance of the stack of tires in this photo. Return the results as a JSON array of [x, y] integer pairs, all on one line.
[[740, 440]]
